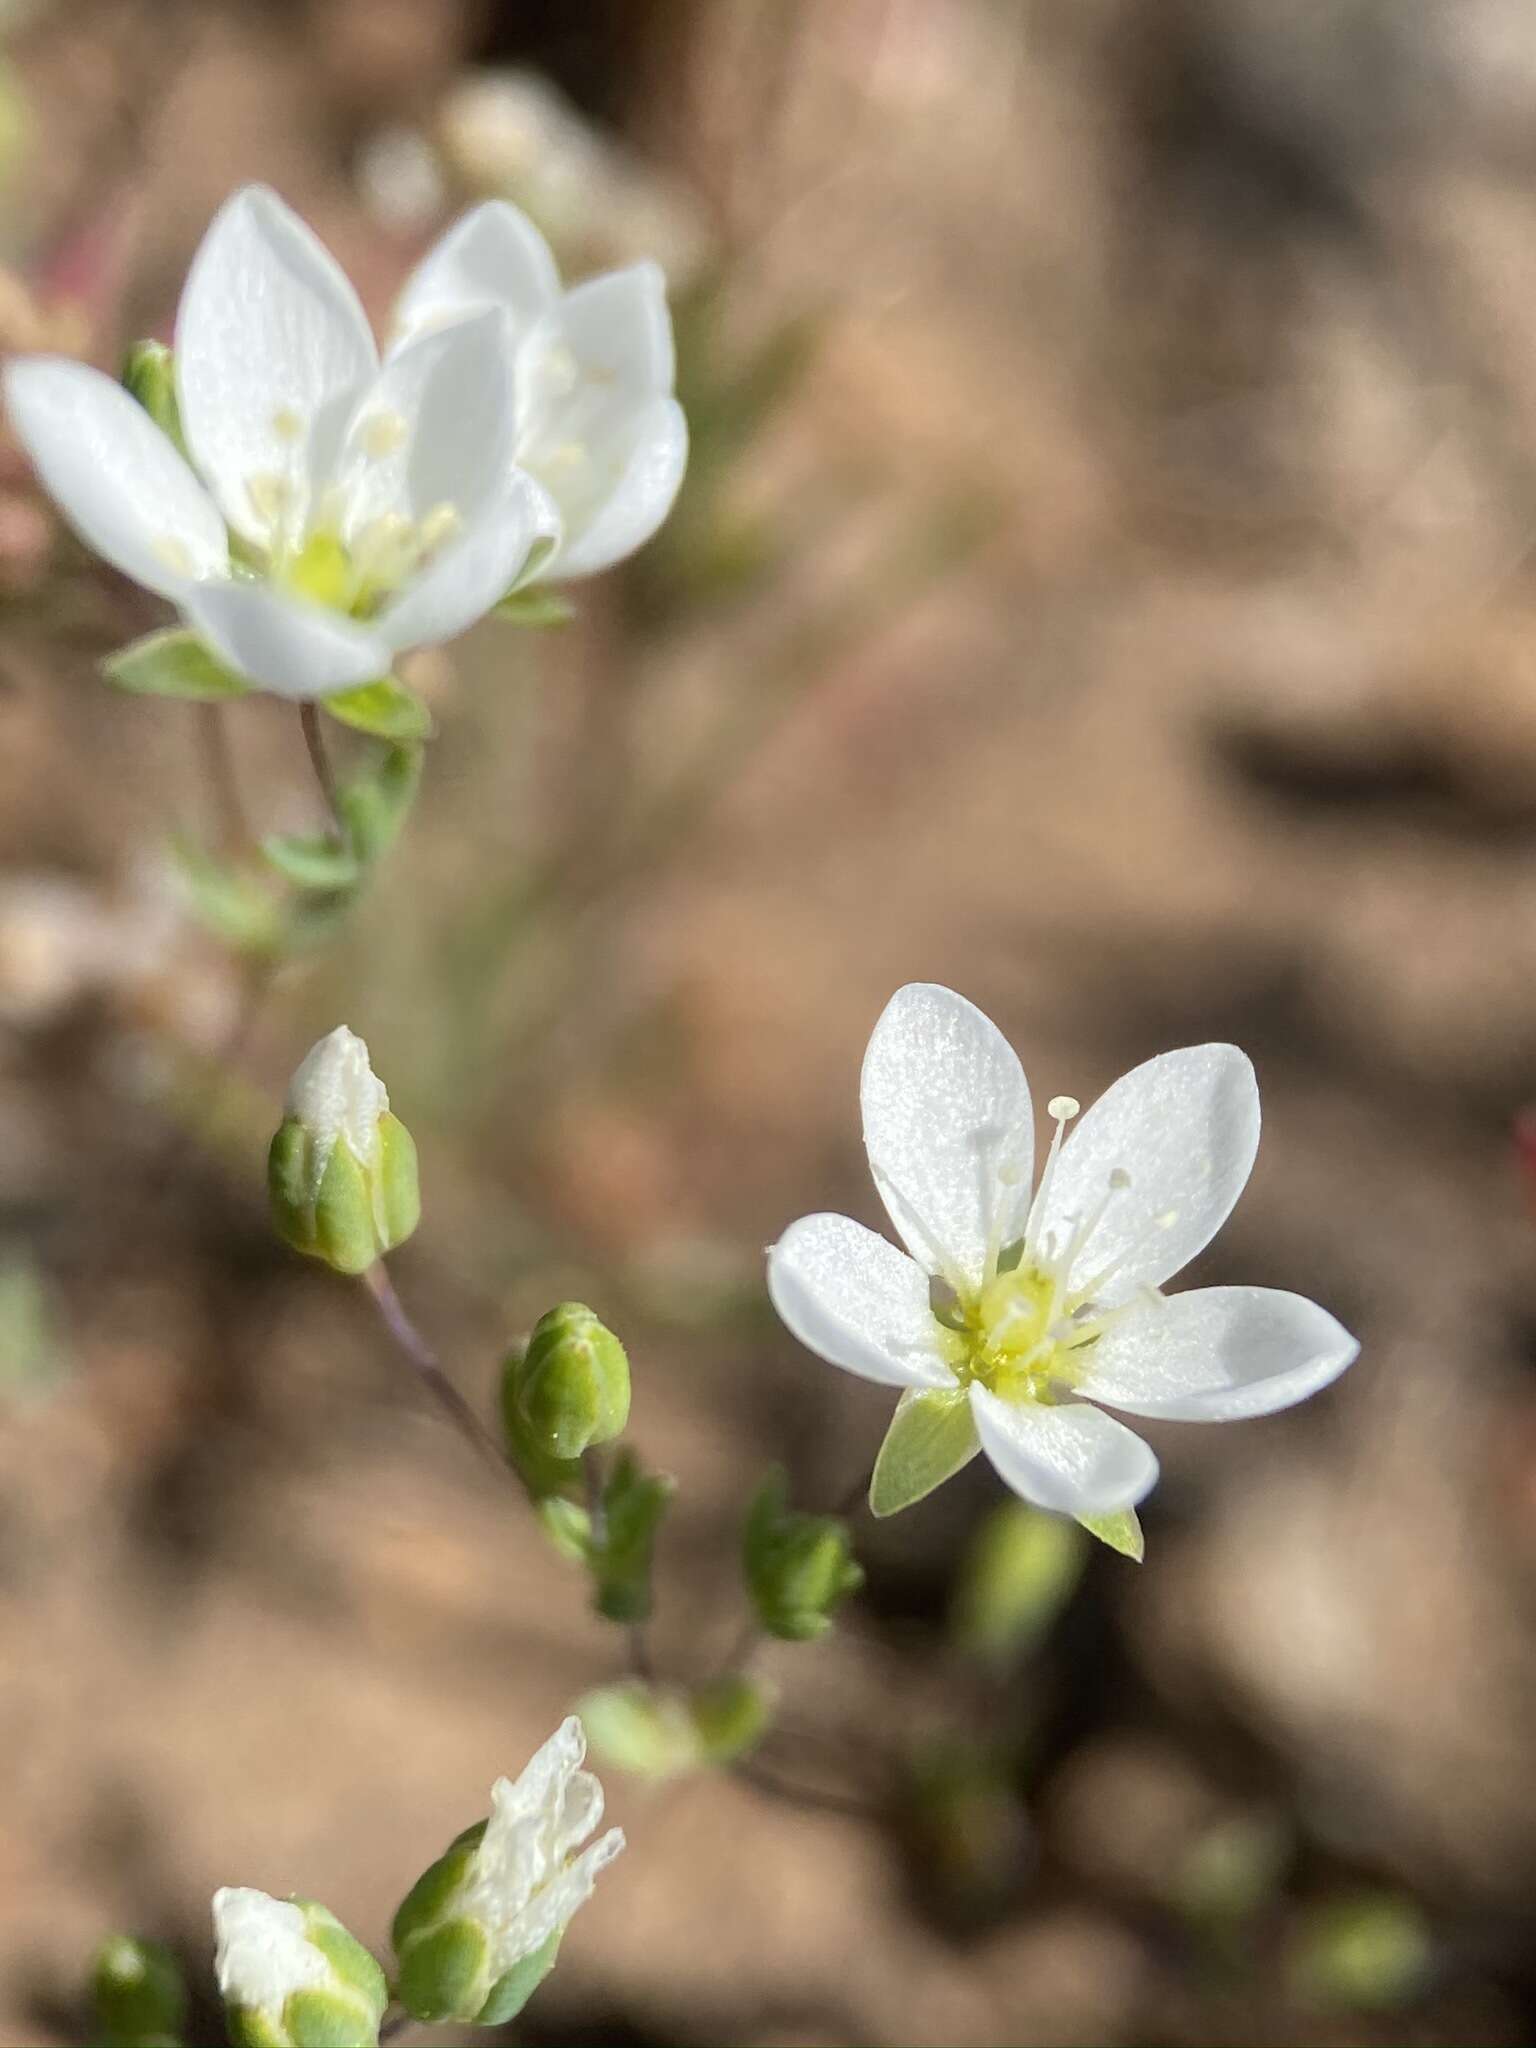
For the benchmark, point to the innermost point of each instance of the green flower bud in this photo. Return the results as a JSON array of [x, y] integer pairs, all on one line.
[[570, 1389], [291, 1976], [480, 1929], [798, 1567], [149, 375], [140, 1996], [341, 1173]]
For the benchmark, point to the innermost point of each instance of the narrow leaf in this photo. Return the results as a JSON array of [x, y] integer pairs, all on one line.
[[173, 663], [930, 1438], [384, 708], [311, 862]]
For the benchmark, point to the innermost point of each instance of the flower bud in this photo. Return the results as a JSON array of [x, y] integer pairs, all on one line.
[[342, 1171], [140, 1996], [291, 1976], [798, 1567], [570, 1388], [480, 1929], [149, 375]]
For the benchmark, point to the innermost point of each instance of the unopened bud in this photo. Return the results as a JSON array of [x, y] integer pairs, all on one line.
[[291, 1976], [141, 1998], [342, 1171], [480, 1929], [570, 1388], [149, 375], [798, 1567]]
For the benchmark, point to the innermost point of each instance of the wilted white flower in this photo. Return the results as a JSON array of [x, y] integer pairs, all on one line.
[[329, 512], [341, 1172], [480, 1928], [1012, 1315], [290, 1974], [597, 423]]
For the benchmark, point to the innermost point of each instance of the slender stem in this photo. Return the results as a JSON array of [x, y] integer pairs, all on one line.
[[398, 2023], [818, 1799], [320, 761], [428, 1370], [232, 825], [855, 1498]]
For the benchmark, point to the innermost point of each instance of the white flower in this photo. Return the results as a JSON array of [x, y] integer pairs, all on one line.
[[263, 1951], [527, 1878], [597, 423], [330, 512], [1040, 1306]]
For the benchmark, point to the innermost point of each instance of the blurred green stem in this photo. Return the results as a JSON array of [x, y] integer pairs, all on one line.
[[232, 827], [320, 761]]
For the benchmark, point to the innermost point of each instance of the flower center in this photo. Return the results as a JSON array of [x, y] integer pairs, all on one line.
[[1024, 1332]]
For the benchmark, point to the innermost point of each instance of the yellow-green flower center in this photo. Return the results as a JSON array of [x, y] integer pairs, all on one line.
[[1019, 1335]]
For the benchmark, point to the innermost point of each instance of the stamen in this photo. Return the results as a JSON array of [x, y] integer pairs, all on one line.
[[1119, 1181], [942, 1261], [383, 433], [440, 524], [1063, 1108], [174, 554], [287, 424]]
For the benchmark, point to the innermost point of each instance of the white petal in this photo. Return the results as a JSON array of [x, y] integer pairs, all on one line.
[[473, 572], [616, 487], [552, 1908], [857, 1301], [1218, 1354], [272, 349], [618, 328], [287, 646], [434, 429], [1185, 1127], [115, 477], [494, 256], [1072, 1458], [948, 1128]]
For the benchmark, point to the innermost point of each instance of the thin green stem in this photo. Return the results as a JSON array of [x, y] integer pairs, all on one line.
[[428, 1369], [320, 761]]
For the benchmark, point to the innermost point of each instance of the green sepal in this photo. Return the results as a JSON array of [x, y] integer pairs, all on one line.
[[546, 1478], [634, 1502], [931, 1437], [397, 1184], [797, 1567], [376, 805], [249, 2027], [289, 1173], [345, 1233], [1121, 1532], [139, 1993], [312, 860], [537, 606], [731, 1716], [356, 1966], [329, 2019], [385, 708], [512, 1991], [443, 1972], [1022, 1569], [173, 663], [232, 906], [568, 1527], [149, 375], [432, 1897]]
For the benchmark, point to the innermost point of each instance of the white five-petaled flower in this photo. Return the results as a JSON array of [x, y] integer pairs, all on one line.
[[530, 1872], [332, 511], [1040, 1303]]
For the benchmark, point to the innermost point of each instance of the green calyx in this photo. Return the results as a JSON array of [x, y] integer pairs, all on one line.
[[336, 1208], [798, 1567], [570, 1388], [444, 1957], [149, 375]]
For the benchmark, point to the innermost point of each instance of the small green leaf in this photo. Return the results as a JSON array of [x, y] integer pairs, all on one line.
[[634, 1502], [141, 1996], [930, 1438], [1020, 1573], [375, 806], [311, 861], [1121, 1532], [384, 708], [229, 903], [641, 1729], [536, 606], [173, 663]]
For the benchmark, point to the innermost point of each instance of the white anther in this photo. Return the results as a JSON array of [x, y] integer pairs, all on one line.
[[1119, 1179], [383, 433], [174, 553], [287, 424], [1063, 1108]]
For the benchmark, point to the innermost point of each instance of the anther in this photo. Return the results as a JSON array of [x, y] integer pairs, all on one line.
[[1062, 1108]]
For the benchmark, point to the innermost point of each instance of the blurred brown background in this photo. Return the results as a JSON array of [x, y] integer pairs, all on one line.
[[1104, 583]]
